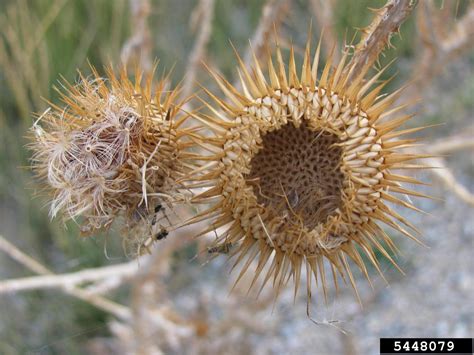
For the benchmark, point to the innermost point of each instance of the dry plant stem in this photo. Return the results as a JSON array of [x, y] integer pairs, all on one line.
[[273, 13], [69, 279], [22, 258], [105, 304], [323, 11], [447, 177], [440, 46], [201, 18], [104, 286], [461, 36], [449, 145], [120, 311], [149, 293], [377, 35], [452, 144], [139, 44]]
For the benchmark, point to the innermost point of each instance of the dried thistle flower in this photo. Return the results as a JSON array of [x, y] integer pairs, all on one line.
[[112, 151], [301, 169]]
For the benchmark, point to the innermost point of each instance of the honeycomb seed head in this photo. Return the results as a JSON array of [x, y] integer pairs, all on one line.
[[302, 169]]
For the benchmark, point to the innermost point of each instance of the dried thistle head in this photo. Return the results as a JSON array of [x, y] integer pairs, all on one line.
[[112, 151], [301, 169]]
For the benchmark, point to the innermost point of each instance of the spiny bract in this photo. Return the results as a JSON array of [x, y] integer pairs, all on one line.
[[112, 151], [301, 167]]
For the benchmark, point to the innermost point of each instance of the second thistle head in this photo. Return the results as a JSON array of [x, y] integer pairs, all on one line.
[[112, 151]]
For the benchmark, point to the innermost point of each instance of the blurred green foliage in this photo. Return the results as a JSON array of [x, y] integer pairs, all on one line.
[[40, 41]]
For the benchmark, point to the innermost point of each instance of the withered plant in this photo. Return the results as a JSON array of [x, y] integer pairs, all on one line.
[[112, 152]]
